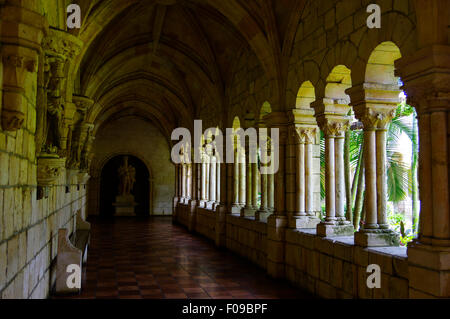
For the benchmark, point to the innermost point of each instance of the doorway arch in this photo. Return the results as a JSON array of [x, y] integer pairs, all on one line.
[[109, 183]]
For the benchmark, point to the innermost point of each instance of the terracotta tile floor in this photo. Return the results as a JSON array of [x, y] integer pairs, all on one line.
[[151, 258]]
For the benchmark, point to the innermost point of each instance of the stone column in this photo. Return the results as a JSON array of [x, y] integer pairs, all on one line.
[[21, 35], [340, 178], [203, 199], [222, 205], [208, 179], [255, 189], [278, 221], [192, 194], [242, 177], [333, 121], [212, 182], [381, 177], [270, 192], [183, 182], [304, 216], [375, 105], [309, 189], [248, 209], [426, 78], [176, 193], [236, 208], [218, 177], [267, 188]]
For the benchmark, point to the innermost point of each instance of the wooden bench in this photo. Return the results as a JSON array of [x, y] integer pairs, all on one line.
[[71, 251]]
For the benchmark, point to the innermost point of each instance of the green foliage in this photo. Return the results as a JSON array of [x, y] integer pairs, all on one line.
[[397, 223]]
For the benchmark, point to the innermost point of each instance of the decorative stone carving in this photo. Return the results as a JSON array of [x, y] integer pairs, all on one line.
[[15, 69], [80, 131], [27, 27], [54, 110], [333, 127], [62, 44], [49, 170], [83, 177], [306, 135], [86, 154]]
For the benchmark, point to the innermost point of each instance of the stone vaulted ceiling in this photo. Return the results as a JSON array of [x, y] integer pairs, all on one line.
[[163, 58]]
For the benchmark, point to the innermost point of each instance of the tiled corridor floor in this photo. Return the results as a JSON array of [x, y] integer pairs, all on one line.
[[151, 258]]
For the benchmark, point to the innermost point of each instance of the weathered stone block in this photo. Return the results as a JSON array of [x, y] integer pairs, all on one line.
[[398, 288], [12, 258]]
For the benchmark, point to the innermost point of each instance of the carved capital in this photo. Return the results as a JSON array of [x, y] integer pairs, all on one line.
[[62, 44], [373, 119], [333, 127], [306, 135], [17, 63]]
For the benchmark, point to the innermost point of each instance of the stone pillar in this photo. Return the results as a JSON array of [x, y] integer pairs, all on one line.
[[248, 209], [183, 182], [278, 221], [176, 193], [221, 207], [426, 78], [304, 216], [188, 181], [267, 188], [309, 169], [218, 178], [340, 178], [375, 105], [203, 199], [242, 198], [255, 188], [333, 121], [21, 34], [208, 179], [193, 199], [236, 208], [212, 183]]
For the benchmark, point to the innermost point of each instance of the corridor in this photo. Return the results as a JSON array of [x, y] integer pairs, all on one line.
[[151, 258]]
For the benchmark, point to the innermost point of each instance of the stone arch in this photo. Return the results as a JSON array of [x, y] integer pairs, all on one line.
[[404, 37], [337, 82], [305, 96], [265, 109], [95, 172], [380, 65]]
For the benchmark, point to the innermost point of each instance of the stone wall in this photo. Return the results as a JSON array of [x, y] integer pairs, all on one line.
[[335, 268], [247, 238], [28, 226], [134, 136], [331, 267]]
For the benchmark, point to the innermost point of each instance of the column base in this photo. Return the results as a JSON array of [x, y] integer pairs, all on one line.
[[302, 222], [327, 230], [202, 203], [210, 205], [236, 210], [376, 238], [261, 215], [248, 212]]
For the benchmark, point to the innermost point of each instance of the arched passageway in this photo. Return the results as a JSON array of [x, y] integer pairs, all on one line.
[[109, 186]]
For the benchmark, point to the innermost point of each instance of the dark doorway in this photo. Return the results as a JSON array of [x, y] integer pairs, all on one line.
[[109, 186]]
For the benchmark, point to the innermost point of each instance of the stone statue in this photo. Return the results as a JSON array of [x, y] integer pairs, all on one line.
[[55, 109], [127, 176]]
